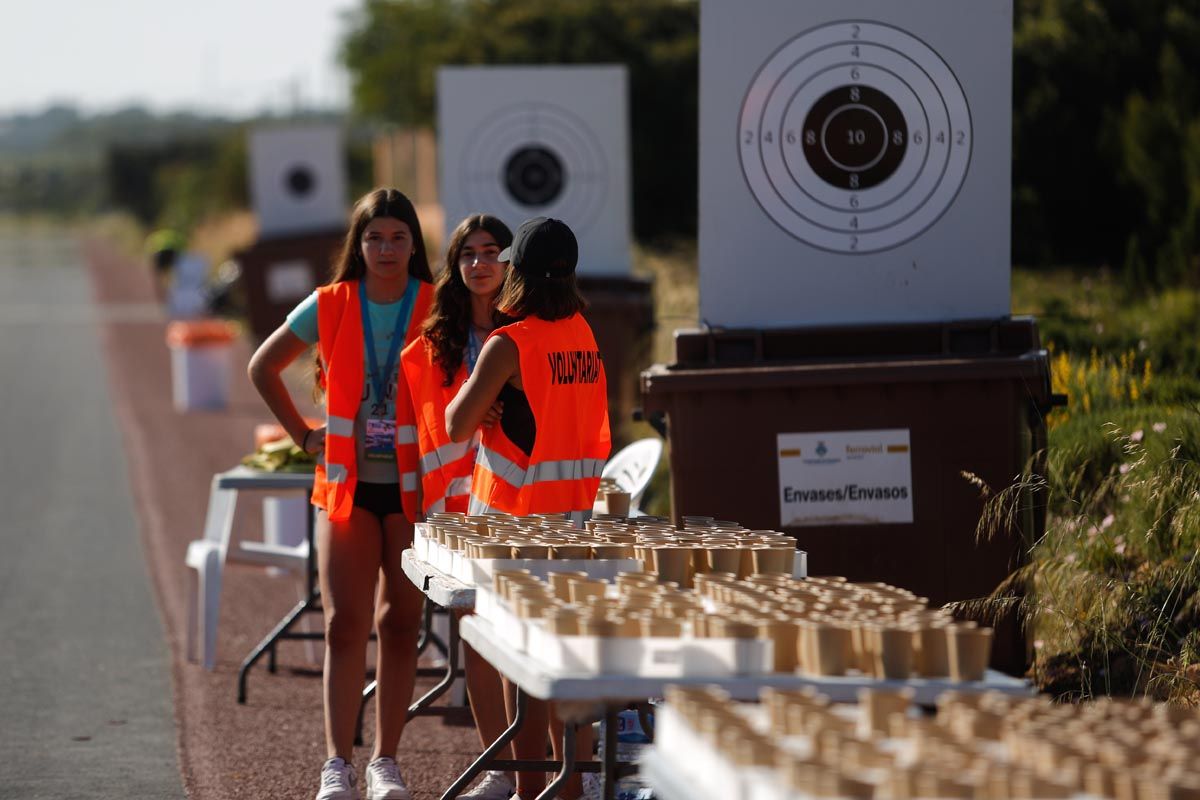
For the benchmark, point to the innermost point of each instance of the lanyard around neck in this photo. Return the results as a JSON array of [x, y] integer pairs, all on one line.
[[379, 379], [473, 348]]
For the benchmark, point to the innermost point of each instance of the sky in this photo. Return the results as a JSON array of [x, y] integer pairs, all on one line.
[[233, 57]]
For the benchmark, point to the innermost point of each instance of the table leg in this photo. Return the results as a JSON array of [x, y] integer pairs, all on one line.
[[486, 757], [426, 626], [568, 764], [367, 694], [309, 603], [267, 644], [451, 671], [608, 768]]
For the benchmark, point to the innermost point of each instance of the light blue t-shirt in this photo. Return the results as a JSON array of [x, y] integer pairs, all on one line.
[[302, 321]]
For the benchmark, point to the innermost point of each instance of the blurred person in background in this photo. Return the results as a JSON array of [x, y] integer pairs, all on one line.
[[163, 247]]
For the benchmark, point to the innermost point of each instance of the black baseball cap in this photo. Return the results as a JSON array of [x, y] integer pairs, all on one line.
[[543, 248]]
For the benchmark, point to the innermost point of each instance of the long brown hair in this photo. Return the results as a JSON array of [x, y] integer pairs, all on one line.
[[349, 265], [449, 322], [548, 298]]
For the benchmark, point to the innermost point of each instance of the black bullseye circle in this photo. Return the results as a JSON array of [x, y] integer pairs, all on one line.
[[300, 181], [534, 176], [855, 137]]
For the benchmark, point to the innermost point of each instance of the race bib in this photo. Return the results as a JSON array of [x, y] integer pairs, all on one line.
[[380, 443]]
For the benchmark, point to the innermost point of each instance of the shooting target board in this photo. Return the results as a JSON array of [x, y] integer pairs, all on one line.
[[297, 180], [855, 161], [521, 142]]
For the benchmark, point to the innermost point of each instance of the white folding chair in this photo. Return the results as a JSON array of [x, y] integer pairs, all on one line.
[[207, 557], [633, 467]]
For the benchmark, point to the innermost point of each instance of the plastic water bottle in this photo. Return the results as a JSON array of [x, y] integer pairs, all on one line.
[[631, 739]]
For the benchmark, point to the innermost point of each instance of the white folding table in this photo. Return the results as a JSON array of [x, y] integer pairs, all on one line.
[[614, 691]]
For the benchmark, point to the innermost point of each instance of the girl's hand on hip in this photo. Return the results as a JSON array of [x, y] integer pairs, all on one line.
[[314, 441]]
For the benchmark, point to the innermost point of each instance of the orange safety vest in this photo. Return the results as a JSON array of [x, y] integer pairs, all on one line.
[[340, 345], [446, 466], [563, 378]]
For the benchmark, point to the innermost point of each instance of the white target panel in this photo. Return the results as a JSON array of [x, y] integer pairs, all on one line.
[[521, 142], [297, 180], [855, 161]]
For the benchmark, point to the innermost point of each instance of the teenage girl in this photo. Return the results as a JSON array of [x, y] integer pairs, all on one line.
[[375, 302], [547, 451], [435, 368]]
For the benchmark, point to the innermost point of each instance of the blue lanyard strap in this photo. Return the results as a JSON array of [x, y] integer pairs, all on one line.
[[472, 350], [379, 379]]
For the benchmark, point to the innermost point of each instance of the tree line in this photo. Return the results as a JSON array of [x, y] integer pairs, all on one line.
[[1106, 119], [1106, 101]]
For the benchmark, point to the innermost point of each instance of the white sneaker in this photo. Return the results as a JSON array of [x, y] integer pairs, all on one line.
[[494, 785], [384, 781], [338, 781]]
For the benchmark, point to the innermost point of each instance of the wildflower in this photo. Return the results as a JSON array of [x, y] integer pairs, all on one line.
[[1038, 644], [1120, 549], [1137, 435], [1125, 468], [1070, 559], [1159, 427], [1107, 522]]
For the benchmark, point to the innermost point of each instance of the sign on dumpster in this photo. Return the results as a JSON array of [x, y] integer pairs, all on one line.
[[845, 478]]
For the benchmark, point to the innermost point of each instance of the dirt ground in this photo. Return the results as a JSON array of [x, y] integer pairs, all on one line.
[[273, 745]]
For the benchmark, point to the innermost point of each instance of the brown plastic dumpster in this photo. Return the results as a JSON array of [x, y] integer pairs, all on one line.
[[972, 396], [621, 313], [279, 273]]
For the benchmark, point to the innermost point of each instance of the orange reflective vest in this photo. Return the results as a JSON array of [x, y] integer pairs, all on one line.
[[563, 379], [445, 466], [340, 345]]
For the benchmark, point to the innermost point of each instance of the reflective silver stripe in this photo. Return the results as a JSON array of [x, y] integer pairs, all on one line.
[[459, 487], [501, 467], [477, 506], [568, 470], [573, 470], [336, 473], [408, 482], [440, 505], [339, 426], [445, 455], [406, 434]]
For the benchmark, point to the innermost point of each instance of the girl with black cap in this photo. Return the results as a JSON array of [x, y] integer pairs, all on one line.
[[547, 451]]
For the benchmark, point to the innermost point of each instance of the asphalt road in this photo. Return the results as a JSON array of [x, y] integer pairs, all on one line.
[[85, 701]]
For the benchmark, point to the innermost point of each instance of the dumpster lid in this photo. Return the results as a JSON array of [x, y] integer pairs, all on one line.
[[1009, 336]]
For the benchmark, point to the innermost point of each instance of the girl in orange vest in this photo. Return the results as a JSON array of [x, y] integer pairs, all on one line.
[[547, 451], [437, 364], [375, 302], [435, 367]]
